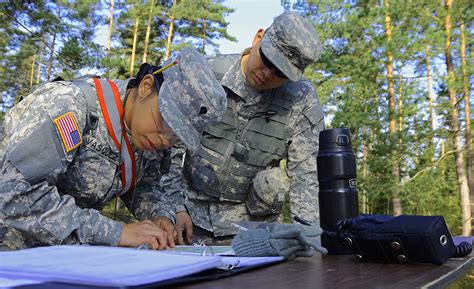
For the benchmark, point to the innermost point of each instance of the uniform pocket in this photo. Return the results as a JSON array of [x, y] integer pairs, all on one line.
[[267, 193]]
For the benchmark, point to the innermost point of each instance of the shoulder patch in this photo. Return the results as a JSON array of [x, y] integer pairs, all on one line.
[[67, 127], [37, 155]]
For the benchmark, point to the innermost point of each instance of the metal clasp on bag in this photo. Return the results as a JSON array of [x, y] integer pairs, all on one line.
[[443, 240]]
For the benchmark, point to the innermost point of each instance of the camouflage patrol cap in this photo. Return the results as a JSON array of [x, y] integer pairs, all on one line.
[[291, 44], [190, 97]]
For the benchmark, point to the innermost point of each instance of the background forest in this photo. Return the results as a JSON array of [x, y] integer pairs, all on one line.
[[396, 73]]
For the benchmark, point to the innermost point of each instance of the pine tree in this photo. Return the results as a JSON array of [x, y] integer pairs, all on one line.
[[353, 80]]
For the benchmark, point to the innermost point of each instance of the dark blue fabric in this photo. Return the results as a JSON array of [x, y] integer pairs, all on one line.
[[402, 239], [368, 222]]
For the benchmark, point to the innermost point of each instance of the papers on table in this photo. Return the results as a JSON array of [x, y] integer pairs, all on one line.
[[103, 266], [113, 266], [11, 283], [202, 250], [228, 255]]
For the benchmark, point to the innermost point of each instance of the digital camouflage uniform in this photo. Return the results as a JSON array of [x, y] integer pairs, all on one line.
[[60, 198], [258, 130], [49, 196]]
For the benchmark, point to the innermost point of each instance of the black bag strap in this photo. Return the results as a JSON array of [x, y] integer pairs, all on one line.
[[92, 117]]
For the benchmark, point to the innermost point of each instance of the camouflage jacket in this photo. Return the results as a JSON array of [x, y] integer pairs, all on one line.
[[305, 121], [54, 196]]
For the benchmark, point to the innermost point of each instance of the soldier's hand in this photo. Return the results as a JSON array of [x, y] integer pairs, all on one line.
[[184, 225], [144, 232], [166, 225]]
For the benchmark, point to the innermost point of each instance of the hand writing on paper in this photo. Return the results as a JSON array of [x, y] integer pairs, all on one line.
[[184, 225], [144, 232], [166, 225]]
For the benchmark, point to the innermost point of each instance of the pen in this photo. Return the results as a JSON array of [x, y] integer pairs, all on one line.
[[165, 67], [239, 227], [301, 221]]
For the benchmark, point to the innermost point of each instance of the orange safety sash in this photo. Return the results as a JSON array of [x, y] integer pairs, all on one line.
[[112, 109]]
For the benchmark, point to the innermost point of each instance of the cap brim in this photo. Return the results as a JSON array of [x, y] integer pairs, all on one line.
[[173, 116], [280, 60]]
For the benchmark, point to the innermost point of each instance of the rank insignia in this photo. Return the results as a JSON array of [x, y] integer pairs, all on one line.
[[69, 131]]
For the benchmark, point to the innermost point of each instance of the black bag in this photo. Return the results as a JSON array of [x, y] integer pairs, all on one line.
[[402, 239]]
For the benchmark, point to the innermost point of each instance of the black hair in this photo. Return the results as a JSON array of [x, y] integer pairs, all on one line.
[[146, 69]]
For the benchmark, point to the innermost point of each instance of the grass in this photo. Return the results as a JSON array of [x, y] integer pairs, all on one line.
[[122, 215]]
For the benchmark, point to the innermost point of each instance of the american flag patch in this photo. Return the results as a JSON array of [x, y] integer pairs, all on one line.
[[69, 131]]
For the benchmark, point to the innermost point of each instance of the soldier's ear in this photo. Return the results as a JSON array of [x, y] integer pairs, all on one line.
[[258, 36], [146, 87]]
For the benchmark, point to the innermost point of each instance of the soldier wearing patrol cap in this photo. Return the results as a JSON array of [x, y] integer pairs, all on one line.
[[70, 147], [272, 114]]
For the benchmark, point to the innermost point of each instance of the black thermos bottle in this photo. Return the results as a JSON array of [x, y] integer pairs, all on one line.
[[337, 185]]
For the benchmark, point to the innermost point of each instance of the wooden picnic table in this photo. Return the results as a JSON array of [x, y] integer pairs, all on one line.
[[343, 271], [321, 272]]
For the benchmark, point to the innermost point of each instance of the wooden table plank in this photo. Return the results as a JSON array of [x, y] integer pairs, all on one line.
[[341, 272]]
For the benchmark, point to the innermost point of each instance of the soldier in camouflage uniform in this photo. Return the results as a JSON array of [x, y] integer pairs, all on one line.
[[272, 115], [60, 159]]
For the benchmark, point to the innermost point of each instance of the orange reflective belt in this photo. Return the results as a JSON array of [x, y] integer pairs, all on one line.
[[112, 109]]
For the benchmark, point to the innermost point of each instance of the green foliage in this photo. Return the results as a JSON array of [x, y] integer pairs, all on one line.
[[464, 282], [122, 215], [69, 28], [189, 19], [202, 21], [34, 28], [350, 76], [352, 83]]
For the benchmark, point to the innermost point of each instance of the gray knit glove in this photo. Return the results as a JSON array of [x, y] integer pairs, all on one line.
[[287, 240]]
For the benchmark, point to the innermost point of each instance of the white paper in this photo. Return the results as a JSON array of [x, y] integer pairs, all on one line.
[[202, 250], [11, 283], [103, 266]]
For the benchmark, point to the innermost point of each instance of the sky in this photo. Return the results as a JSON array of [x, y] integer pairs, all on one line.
[[249, 16]]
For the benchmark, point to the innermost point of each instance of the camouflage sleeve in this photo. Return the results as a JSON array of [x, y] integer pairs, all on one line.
[[146, 201], [171, 183], [301, 164], [156, 195], [32, 161]]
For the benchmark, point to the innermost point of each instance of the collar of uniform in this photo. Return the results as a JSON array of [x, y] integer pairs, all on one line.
[[122, 87], [235, 80]]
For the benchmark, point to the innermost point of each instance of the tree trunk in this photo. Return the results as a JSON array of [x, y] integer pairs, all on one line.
[[400, 103], [442, 165], [134, 47], [467, 114], [397, 209], [51, 57], [111, 26], [32, 74], [430, 104], [170, 31], [400, 124], [148, 28], [365, 197], [454, 121], [38, 74], [204, 27]]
